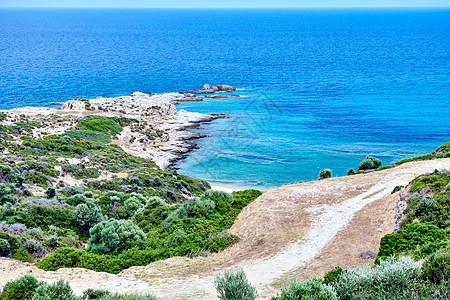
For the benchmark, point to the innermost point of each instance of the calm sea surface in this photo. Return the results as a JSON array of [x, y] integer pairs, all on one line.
[[324, 88]]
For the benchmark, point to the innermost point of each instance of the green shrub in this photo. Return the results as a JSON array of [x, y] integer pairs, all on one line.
[[59, 290], [233, 286], [221, 242], [5, 248], [50, 192], [435, 182], [21, 254], [114, 236], [12, 242], [390, 276], [351, 172], [244, 198], [91, 294], [22, 288], [408, 238], [312, 289], [398, 188], [100, 124], [128, 297], [88, 215], [7, 210], [80, 171], [222, 200], [195, 208], [437, 267], [425, 206], [76, 199], [325, 174], [369, 163], [88, 135], [333, 275]]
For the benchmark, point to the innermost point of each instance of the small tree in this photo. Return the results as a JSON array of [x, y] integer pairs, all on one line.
[[351, 172], [325, 174], [233, 286], [369, 163], [88, 215], [114, 236]]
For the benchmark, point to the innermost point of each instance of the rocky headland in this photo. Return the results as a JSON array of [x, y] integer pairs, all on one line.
[[157, 130]]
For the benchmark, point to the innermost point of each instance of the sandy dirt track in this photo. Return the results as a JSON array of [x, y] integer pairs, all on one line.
[[293, 232]]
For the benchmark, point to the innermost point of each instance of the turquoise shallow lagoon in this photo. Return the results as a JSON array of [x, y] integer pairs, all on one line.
[[324, 88]]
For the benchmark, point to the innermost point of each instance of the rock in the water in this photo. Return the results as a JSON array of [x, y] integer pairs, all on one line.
[[223, 88], [216, 96], [216, 88]]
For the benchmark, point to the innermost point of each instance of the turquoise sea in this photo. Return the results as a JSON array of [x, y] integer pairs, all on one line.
[[324, 87]]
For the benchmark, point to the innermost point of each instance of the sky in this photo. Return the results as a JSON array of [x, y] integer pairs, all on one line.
[[223, 3]]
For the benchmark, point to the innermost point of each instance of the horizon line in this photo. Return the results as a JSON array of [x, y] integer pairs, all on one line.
[[229, 7]]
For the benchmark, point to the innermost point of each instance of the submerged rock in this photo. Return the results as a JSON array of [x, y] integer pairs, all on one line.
[[207, 89]]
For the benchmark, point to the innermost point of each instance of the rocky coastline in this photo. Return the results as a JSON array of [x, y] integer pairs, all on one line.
[[158, 132]]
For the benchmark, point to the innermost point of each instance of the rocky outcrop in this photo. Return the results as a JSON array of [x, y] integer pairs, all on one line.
[[207, 89], [217, 96], [74, 105]]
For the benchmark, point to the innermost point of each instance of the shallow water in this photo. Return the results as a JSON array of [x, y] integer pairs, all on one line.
[[324, 87]]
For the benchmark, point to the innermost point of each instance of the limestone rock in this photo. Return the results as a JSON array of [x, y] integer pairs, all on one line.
[[368, 254], [74, 105]]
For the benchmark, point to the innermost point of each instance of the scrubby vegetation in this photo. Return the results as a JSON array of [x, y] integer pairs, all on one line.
[[234, 285], [29, 288], [128, 210], [425, 228], [393, 278]]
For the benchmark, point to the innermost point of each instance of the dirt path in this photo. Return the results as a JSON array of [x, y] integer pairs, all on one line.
[[293, 232]]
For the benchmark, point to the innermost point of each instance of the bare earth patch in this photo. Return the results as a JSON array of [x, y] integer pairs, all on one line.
[[293, 232]]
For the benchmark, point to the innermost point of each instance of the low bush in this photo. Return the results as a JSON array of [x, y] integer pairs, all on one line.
[[22, 288], [50, 192], [351, 172], [128, 297], [100, 124], [5, 248], [114, 236], [408, 238], [91, 294], [327, 173], [333, 275], [233, 286], [388, 277], [369, 163], [425, 206], [80, 171], [437, 267], [59, 290], [312, 289], [221, 242]]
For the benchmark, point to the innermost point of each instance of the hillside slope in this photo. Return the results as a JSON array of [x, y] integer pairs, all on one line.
[[293, 232]]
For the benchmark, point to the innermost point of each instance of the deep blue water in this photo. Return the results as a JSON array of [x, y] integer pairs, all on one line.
[[325, 87]]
